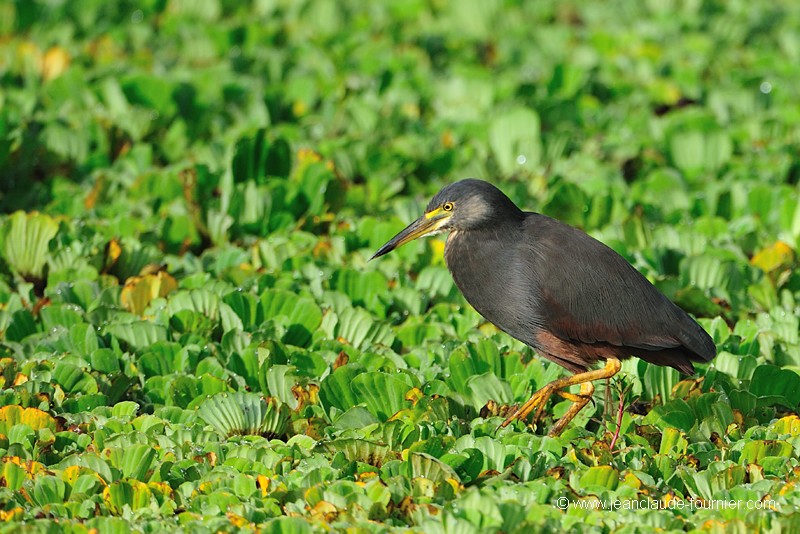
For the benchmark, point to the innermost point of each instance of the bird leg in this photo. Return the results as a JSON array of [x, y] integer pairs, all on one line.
[[585, 379], [578, 402], [572, 396]]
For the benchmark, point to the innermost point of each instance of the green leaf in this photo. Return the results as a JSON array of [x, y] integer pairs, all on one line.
[[244, 305], [73, 379], [83, 339], [658, 381], [21, 326], [287, 525], [360, 450], [301, 314], [48, 490], [756, 451], [280, 381], [60, 315], [84, 403], [468, 463], [202, 301], [673, 442], [601, 476], [435, 281], [568, 203], [250, 157], [430, 468], [675, 414], [363, 289], [26, 237], [383, 394], [335, 390], [126, 494], [134, 461], [314, 180], [245, 413], [713, 412], [151, 91], [165, 358], [487, 387], [696, 143], [514, 138], [773, 385], [138, 334], [186, 391], [355, 325]]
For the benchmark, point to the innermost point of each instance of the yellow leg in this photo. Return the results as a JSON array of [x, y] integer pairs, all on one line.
[[587, 389], [539, 399], [572, 396]]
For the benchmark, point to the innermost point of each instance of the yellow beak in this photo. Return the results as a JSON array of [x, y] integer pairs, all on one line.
[[429, 223]]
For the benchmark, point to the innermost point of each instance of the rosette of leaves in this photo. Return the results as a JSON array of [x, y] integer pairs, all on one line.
[[245, 413], [25, 240]]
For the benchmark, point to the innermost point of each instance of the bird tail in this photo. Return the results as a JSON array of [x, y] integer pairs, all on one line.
[[699, 343]]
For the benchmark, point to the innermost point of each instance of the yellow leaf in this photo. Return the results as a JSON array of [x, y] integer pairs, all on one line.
[[366, 476], [775, 256], [448, 141], [299, 108], [488, 329], [55, 62], [787, 425], [33, 417], [668, 499], [414, 395], [787, 489], [325, 511], [140, 291], [113, 252], [129, 492], [31, 468], [161, 487], [71, 474], [455, 484], [20, 379], [715, 525], [237, 520], [632, 481], [12, 476], [15, 514], [263, 483], [306, 156]]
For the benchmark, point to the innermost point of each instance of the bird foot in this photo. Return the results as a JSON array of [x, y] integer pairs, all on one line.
[[539, 399], [536, 402]]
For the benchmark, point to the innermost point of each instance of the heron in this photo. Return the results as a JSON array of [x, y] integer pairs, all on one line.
[[568, 296]]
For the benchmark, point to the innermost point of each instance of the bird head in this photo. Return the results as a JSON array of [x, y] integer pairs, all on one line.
[[465, 205]]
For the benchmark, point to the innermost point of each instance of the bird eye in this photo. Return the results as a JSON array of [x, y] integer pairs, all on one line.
[[447, 206]]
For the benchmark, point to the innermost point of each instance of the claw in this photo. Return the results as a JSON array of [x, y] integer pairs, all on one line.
[[539, 399]]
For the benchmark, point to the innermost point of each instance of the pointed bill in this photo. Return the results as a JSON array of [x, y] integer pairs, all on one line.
[[429, 224]]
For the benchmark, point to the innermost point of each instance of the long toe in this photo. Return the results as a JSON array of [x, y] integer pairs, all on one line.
[[536, 402]]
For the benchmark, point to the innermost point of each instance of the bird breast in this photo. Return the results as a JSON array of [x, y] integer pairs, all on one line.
[[488, 271]]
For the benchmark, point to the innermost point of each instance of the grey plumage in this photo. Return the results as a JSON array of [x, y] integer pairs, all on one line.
[[557, 289]]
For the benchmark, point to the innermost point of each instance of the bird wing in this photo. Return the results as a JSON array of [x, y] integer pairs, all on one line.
[[587, 292]]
